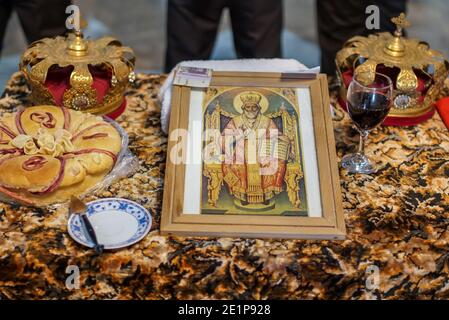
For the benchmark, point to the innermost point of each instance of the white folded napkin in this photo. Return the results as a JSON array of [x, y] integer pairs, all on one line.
[[245, 65]]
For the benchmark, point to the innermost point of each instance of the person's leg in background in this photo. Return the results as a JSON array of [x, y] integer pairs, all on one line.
[[257, 28], [340, 20], [42, 18], [5, 13], [191, 29]]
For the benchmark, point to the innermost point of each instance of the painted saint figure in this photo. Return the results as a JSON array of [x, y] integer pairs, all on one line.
[[255, 151]]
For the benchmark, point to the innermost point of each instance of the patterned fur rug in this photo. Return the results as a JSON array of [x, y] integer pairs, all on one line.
[[397, 220]]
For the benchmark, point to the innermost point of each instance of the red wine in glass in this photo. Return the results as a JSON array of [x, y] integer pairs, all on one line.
[[368, 109], [368, 102]]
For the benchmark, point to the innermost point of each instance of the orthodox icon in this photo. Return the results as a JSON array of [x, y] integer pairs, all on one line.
[[252, 155]]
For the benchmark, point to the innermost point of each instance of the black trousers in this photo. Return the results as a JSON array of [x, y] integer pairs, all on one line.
[[340, 20], [192, 28], [39, 18]]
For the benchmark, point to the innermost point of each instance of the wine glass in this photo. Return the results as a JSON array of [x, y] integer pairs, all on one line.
[[368, 104]]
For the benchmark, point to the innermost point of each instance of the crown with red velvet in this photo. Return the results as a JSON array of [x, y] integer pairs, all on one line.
[[80, 74], [417, 71]]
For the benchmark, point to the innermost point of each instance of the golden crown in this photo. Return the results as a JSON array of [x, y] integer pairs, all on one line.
[[250, 97], [420, 70], [85, 59]]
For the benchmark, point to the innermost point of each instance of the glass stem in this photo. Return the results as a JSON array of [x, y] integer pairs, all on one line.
[[363, 135]]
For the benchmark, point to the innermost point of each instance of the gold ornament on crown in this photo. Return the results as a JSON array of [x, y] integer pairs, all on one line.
[[412, 58], [106, 53], [250, 97]]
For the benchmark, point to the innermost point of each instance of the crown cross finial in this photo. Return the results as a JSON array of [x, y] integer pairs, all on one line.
[[401, 23], [77, 45]]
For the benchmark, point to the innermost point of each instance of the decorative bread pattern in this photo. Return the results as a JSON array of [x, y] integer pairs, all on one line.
[[48, 153]]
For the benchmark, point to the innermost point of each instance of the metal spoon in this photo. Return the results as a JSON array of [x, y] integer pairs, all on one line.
[[80, 208]]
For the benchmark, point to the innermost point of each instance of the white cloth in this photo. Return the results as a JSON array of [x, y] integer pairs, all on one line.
[[245, 65]]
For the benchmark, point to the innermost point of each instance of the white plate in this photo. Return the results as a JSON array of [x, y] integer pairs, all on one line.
[[117, 222]]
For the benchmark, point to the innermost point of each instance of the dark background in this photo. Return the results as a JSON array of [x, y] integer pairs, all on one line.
[[142, 27]]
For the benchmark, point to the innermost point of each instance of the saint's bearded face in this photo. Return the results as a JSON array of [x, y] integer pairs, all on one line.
[[251, 110]]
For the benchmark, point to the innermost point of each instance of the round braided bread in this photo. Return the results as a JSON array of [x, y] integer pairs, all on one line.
[[49, 153]]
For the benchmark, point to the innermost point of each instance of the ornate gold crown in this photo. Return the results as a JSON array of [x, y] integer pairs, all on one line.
[[417, 71], [250, 97], [85, 62]]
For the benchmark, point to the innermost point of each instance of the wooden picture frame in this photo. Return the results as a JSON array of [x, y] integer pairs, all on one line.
[[177, 192]]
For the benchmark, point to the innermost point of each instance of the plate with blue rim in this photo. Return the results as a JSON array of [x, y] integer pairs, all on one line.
[[118, 223]]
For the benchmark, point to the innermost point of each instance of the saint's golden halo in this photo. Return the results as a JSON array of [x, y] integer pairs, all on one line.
[[238, 101]]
